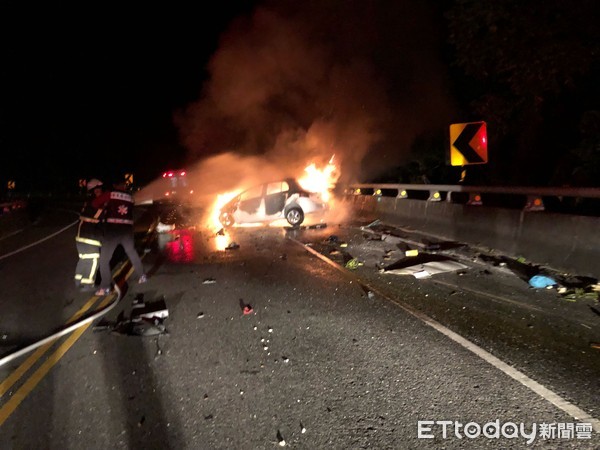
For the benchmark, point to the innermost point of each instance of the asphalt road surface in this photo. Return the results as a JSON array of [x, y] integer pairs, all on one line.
[[275, 343]]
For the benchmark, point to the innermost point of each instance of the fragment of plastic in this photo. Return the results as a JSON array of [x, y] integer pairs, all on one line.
[[157, 309], [542, 282], [374, 223], [247, 310], [353, 264]]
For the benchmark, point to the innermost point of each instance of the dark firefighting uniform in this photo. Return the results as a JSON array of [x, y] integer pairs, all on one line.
[[117, 230], [88, 245]]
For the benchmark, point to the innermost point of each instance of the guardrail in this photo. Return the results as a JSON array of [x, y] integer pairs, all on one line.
[[553, 226], [558, 199]]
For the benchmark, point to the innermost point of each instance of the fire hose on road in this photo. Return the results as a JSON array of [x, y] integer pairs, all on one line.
[[74, 326], [51, 338]]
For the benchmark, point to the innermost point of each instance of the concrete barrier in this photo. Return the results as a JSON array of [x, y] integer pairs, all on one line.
[[564, 242]]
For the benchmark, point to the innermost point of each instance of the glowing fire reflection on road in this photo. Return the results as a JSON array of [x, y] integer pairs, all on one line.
[[178, 246]]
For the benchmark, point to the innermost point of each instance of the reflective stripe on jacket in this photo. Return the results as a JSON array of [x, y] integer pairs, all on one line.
[[87, 230]]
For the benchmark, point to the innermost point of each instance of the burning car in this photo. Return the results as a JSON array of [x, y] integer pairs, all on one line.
[[268, 202]]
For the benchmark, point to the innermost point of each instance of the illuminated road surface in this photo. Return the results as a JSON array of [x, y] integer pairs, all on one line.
[[318, 363]]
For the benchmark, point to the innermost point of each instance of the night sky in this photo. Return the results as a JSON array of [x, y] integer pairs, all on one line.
[[91, 87], [103, 89]]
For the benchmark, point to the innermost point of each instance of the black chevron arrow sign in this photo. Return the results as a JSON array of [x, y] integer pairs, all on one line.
[[468, 143]]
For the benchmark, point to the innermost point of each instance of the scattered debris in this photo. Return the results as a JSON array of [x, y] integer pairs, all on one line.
[[200, 315], [595, 345], [154, 310], [371, 295], [428, 269], [232, 246], [411, 253], [353, 264], [373, 224], [423, 266], [280, 439], [246, 308], [542, 282], [578, 293], [147, 319], [209, 281], [221, 232]]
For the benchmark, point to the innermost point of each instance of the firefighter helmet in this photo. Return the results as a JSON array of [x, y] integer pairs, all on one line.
[[93, 183]]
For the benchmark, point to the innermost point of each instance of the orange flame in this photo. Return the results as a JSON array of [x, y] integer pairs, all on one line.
[[221, 200], [222, 239], [322, 180]]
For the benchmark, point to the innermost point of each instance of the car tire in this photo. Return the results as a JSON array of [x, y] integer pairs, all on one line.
[[294, 216], [226, 220]]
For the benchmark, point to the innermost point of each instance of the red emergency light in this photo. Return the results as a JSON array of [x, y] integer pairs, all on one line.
[[171, 173]]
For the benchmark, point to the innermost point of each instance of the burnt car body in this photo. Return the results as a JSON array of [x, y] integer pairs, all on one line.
[[271, 201]]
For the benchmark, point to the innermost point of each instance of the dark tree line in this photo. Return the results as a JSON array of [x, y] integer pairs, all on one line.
[[531, 70]]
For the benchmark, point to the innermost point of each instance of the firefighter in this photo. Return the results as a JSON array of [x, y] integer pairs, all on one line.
[[118, 230], [88, 238]]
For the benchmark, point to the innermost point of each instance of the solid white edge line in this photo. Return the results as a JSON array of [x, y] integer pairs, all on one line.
[[548, 395]]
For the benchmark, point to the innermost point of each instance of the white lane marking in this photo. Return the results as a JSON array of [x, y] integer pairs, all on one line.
[[11, 234], [38, 242], [568, 407]]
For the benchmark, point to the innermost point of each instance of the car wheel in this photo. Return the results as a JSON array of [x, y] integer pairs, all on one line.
[[226, 219], [294, 216]]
